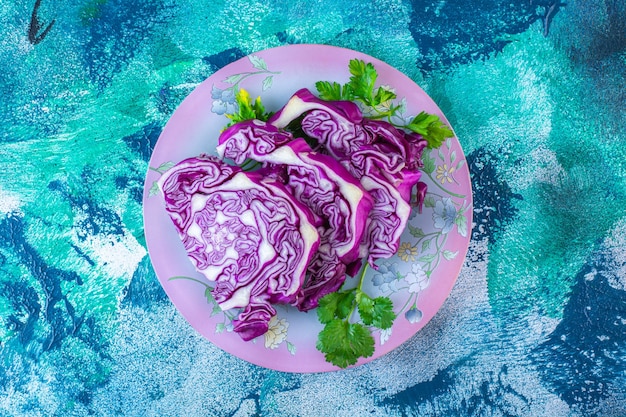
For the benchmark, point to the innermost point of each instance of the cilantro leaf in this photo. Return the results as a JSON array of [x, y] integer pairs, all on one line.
[[343, 343], [383, 313], [431, 128], [327, 307], [346, 305], [377, 312], [335, 305]]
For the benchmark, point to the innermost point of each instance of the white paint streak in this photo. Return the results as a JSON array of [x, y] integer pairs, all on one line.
[[164, 368], [464, 342], [10, 202], [540, 166], [615, 245], [467, 341], [117, 255]]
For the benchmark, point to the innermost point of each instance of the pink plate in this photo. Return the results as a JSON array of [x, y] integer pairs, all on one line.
[[418, 279]]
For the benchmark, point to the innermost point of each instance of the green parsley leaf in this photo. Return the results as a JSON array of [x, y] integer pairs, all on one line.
[[362, 87], [362, 80], [377, 312], [431, 128], [366, 308], [343, 343], [247, 109], [335, 305], [329, 91], [345, 307], [327, 307], [383, 95]]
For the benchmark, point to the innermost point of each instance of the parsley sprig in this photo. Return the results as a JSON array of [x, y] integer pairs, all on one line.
[[247, 109], [361, 87], [343, 340], [431, 128]]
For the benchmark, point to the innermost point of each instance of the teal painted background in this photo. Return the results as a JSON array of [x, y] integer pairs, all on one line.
[[536, 92]]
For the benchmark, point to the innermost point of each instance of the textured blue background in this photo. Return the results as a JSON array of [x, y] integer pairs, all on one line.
[[536, 91]]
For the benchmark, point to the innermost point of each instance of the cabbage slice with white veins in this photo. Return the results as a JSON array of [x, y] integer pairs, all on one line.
[[385, 159], [321, 183], [243, 231]]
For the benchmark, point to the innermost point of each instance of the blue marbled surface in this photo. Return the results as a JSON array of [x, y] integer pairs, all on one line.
[[536, 91]]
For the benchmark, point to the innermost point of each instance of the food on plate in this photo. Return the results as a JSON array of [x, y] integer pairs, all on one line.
[[299, 200]]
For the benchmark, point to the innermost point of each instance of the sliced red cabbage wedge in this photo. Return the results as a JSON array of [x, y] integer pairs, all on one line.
[[243, 231], [386, 221], [321, 183], [337, 125], [250, 139], [291, 231], [386, 160]]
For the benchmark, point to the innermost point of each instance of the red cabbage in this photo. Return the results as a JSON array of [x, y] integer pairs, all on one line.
[[337, 125], [246, 139], [386, 160], [243, 231], [326, 274], [254, 319], [321, 183], [386, 221], [291, 231]]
